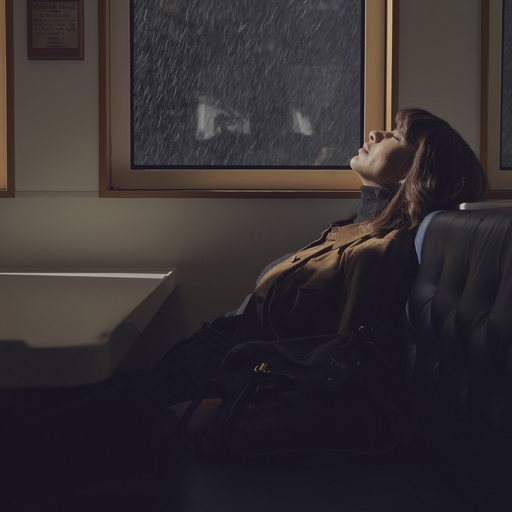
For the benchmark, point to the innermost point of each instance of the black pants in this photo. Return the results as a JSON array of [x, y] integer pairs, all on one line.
[[101, 431]]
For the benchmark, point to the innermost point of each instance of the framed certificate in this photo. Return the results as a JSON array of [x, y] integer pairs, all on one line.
[[55, 29]]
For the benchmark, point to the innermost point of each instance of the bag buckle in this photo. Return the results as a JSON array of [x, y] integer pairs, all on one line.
[[261, 368]]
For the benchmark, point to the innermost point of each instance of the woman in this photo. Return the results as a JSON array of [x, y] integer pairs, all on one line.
[[358, 273]]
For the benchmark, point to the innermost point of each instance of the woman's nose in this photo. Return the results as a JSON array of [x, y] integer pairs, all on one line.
[[376, 136]]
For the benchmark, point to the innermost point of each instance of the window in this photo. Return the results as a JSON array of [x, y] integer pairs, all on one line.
[[496, 130], [6, 132], [247, 97]]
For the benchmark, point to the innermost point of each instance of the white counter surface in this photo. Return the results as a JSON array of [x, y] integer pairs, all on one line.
[[69, 328]]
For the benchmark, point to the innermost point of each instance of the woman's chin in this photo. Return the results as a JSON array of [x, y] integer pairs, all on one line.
[[353, 163]]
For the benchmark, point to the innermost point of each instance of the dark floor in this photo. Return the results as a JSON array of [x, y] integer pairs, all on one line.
[[191, 485]]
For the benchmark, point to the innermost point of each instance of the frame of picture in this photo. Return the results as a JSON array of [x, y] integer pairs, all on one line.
[[55, 29]]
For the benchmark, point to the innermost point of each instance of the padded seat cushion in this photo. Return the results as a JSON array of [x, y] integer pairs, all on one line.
[[460, 320]]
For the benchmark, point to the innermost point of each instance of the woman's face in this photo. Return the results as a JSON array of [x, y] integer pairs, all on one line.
[[383, 160]]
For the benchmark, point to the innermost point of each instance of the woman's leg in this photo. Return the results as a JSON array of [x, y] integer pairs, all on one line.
[[191, 367], [110, 427]]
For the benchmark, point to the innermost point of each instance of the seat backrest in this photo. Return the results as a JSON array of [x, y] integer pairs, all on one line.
[[459, 317]]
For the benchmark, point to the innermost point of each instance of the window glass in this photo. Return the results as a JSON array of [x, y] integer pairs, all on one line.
[[245, 83], [506, 90]]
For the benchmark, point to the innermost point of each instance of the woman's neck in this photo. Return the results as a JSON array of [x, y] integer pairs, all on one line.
[[373, 201]]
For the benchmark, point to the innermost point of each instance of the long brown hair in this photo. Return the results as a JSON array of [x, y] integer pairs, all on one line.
[[444, 172]]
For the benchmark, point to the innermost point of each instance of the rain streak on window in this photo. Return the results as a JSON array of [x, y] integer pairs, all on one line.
[[246, 83]]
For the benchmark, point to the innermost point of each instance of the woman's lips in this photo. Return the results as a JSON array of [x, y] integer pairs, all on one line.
[[363, 149]]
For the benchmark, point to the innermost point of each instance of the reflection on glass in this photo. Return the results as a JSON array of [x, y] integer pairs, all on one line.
[[213, 121], [245, 83], [301, 122]]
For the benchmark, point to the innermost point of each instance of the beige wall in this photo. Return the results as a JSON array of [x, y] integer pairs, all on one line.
[[217, 245]]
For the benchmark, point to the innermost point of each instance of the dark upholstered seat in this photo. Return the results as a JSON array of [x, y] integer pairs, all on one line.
[[460, 310]]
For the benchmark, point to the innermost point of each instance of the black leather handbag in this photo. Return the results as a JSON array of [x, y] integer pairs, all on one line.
[[313, 395]]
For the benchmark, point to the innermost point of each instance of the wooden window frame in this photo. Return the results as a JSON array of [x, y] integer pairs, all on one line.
[[118, 180], [500, 180], [6, 101]]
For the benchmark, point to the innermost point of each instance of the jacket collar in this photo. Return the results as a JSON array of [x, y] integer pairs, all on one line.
[[350, 233]]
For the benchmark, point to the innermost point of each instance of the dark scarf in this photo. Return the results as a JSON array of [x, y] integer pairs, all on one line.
[[373, 201]]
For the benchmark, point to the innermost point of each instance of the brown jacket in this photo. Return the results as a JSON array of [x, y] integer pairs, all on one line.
[[336, 284]]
